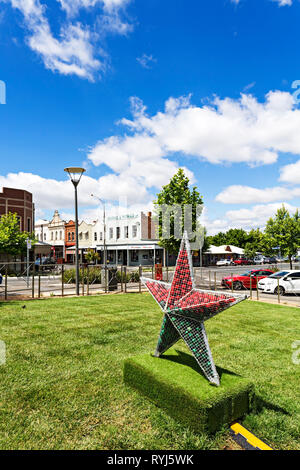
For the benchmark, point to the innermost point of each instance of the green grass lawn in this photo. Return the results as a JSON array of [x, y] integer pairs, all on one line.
[[62, 386]]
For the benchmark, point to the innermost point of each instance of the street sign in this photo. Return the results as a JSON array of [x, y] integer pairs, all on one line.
[[28, 244]]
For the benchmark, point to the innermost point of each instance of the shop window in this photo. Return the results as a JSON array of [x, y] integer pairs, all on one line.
[[126, 232], [134, 231], [134, 256], [118, 233]]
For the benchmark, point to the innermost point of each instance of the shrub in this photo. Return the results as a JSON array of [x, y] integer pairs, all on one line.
[[94, 276]]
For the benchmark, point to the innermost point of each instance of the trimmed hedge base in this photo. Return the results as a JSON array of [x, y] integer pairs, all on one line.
[[173, 382]]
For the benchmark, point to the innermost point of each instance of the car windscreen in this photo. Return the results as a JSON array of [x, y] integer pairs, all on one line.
[[279, 275]]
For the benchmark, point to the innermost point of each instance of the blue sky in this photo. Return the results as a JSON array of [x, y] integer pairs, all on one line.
[[133, 89]]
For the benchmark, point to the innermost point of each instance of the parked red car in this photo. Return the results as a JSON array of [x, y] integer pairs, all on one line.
[[241, 261], [242, 281]]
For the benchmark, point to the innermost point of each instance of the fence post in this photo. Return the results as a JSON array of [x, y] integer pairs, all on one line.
[[152, 272], [125, 273], [167, 273], [250, 287], [215, 281], [39, 285], [5, 286], [62, 280], [33, 275], [105, 280], [121, 278], [278, 291], [87, 280], [82, 270], [209, 280], [140, 282], [257, 293], [231, 282]]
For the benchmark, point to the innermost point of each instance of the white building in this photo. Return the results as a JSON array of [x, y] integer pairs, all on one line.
[[130, 240], [53, 233], [41, 230], [215, 253]]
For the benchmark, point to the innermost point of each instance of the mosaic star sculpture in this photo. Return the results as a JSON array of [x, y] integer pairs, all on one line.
[[186, 308]]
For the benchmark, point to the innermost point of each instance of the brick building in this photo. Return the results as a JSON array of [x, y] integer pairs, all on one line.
[[20, 202], [70, 241]]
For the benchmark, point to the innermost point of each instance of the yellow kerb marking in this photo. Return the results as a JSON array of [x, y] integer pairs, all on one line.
[[254, 441]]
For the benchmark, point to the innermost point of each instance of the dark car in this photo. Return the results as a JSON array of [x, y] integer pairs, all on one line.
[[242, 281], [272, 260], [1, 278]]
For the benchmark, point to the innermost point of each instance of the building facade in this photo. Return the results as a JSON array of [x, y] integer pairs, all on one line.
[[216, 253], [56, 234], [70, 241], [130, 239], [20, 202]]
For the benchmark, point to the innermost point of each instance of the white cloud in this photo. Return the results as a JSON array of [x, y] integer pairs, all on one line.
[[72, 7], [281, 3], [291, 173], [137, 163], [238, 194], [223, 131], [256, 216], [50, 193], [76, 51], [253, 218], [146, 61]]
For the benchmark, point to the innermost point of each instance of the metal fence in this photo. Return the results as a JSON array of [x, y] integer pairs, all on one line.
[[35, 281]]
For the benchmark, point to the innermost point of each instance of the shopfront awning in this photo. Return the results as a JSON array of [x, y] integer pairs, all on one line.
[[130, 247]]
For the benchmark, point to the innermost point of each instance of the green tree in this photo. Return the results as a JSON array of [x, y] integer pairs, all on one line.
[[284, 231], [250, 251], [12, 240], [218, 240], [92, 256], [177, 192]]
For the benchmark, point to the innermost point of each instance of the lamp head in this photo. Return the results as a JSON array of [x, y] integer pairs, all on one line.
[[75, 174]]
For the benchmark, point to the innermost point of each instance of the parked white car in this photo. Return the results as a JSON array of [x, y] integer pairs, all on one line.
[[289, 283], [224, 262], [260, 259]]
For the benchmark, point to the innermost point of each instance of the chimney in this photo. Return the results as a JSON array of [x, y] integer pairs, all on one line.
[[149, 225]]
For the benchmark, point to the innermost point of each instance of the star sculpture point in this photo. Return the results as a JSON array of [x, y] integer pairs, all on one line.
[[186, 308]]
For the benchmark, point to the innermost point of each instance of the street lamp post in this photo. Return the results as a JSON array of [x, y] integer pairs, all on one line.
[[104, 235], [75, 176]]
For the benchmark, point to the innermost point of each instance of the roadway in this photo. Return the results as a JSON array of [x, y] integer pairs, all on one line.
[[204, 277]]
